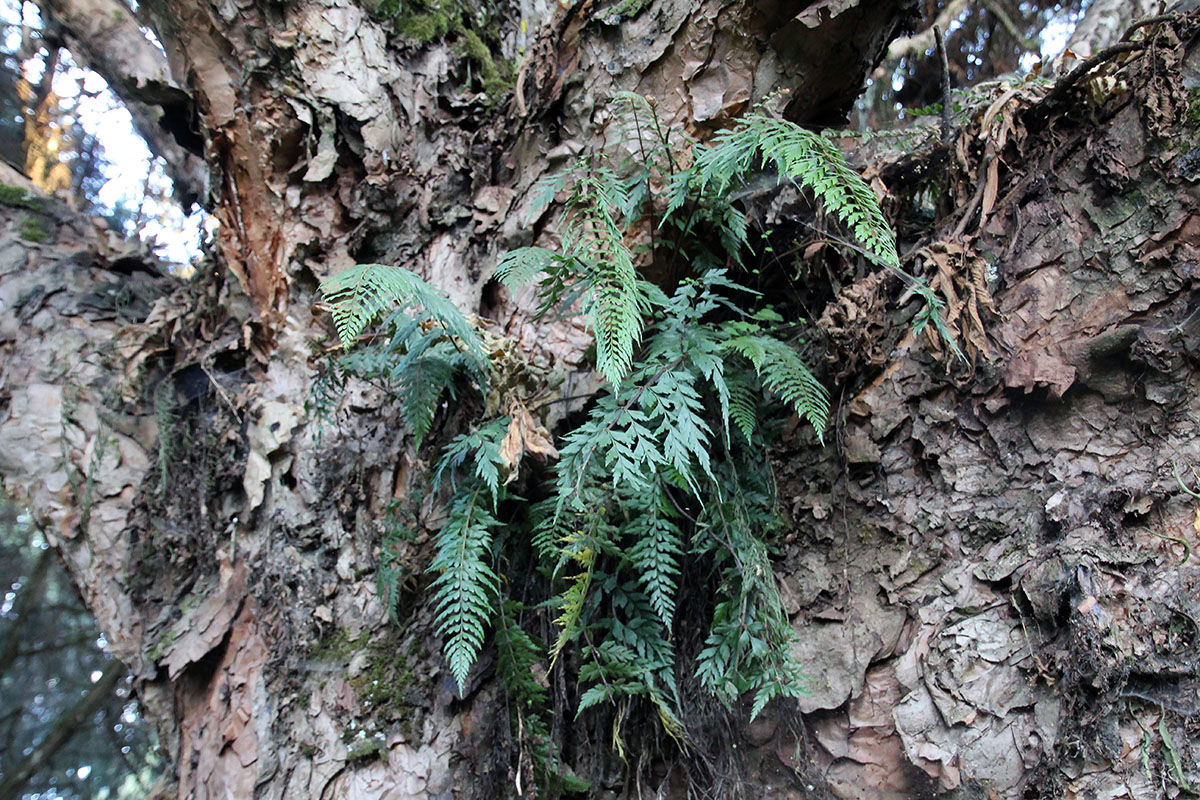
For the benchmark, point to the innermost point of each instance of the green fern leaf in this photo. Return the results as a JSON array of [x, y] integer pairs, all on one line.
[[785, 375], [807, 158], [570, 603], [484, 446], [519, 267], [517, 655], [420, 388], [743, 405], [658, 544], [465, 586], [359, 295]]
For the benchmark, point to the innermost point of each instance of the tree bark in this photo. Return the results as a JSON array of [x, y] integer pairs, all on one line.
[[1106, 21], [987, 572]]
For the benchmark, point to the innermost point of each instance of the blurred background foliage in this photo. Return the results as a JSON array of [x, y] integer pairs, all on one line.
[[68, 719], [985, 39]]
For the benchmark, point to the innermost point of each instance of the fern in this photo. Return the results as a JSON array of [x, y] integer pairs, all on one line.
[[596, 256], [654, 556], [786, 376], [799, 155], [521, 266], [483, 446], [359, 295], [579, 549], [518, 658], [465, 587], [631, 658], [548, 528], [749, 644], [393, 570], [517, 655], [666, 474], [743, 406], [427, 343]]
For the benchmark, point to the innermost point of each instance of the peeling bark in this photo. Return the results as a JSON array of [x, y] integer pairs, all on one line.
[[986, 572]]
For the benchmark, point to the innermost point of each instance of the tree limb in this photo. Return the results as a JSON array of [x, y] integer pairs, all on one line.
[[947, 131], [27, 598], [1006, 21], [104, 36], [1076, 75], [921, 43]]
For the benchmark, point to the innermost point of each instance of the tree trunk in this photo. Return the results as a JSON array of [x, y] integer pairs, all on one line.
[[988, 571]]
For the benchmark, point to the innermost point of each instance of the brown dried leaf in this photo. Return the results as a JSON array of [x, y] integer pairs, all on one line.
[[990, 188], [524, 436], [961, 280]]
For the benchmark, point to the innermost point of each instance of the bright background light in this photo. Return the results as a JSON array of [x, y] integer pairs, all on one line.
[[134, 179]]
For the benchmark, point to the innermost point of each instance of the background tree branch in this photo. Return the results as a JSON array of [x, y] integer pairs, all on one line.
[[105, 36]]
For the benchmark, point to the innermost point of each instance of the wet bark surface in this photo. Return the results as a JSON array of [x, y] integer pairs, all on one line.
[[989, 568]]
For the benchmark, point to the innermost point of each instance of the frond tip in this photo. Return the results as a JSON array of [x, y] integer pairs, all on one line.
[[359, 295]]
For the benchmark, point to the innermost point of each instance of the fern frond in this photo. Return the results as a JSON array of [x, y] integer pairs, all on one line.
[[653, 421], [932, 314], [613, 310], [484, 446], [802, 156], [635, 661], [420, 387], [743, 405], [392, 569], [465, 586], [548, 527], [518, 658], [359, 295], [786, 376], [613, 300], [519, 267], [643, 135], [749, 643], [517, 655], [681, 427], [570, 603], [658, 544], [544, 191]]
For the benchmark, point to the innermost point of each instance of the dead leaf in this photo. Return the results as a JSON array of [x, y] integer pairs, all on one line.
[[198, 632], [990, 189], [524, 436]]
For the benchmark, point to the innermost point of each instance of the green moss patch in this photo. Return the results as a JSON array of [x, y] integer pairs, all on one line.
[[428, 21], [17, 197], [34, 230]]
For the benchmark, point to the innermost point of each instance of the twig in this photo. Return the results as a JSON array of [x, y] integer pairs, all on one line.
[[1143, 22], [947, 102], [224, 395], [519, 92], [1074, 76]]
